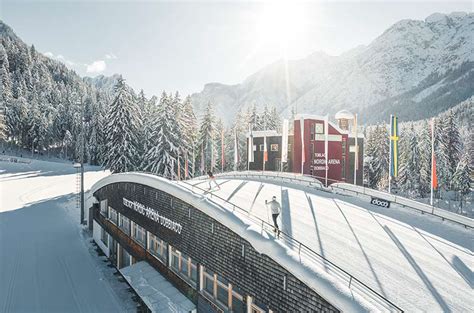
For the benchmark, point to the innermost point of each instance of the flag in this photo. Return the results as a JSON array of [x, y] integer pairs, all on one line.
[[202, 159], [326, 145], [284, 142], [250, 152], [236, 150], [394, 146], [265, 151], [179, 168], [356, 154], [302, 143], [186, 169], [222, 151], [434, 177]]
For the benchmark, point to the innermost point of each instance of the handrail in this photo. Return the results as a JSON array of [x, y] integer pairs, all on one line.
[[422, 207], [267, 226], [443, 214]]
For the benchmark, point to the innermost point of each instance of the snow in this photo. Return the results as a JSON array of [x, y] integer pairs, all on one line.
[[416, 261], [159, 295], [47, 261]]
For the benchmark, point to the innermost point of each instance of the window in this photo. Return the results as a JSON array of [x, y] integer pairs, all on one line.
[[260, 147], [183, 265], [103, 207], [113, 216], [139, 234], [125, 258], [274, 147], [157, 247], [125, 224], [104, 237], [312, 128], [319, 128], [220, 290], [256, 309]]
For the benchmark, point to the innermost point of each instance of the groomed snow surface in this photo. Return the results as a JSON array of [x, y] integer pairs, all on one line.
[[419, 262], [47, 263]]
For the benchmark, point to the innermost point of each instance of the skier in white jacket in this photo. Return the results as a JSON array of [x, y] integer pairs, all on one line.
[[276, 209]]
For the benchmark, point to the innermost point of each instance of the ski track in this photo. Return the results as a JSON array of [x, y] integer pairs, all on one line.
[[411, 264], [45, 261]]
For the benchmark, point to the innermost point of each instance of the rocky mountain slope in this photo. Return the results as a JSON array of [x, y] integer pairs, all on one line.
[[415, 69]]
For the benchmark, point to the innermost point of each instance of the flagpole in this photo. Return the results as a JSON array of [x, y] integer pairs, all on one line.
[[356, 154], [264, 150], [390, 154], [303, 158], [326, 144], [432, 159], [222, 151]]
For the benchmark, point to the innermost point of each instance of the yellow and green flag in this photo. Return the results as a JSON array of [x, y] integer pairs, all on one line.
[[394, 137]]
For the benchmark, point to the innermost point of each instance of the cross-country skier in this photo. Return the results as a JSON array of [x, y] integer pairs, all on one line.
[[276, 209], [212, 179]]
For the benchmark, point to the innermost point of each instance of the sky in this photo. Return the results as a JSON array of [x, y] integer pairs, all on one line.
[[182, 45]]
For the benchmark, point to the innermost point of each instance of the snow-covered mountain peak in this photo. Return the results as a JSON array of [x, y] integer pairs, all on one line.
[[409, 57]]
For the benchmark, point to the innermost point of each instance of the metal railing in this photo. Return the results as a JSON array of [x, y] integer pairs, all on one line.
[[305, 253], [405, 202]]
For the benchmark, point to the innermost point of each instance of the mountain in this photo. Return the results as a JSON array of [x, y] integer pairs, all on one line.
[[415, 69], [105, 83]]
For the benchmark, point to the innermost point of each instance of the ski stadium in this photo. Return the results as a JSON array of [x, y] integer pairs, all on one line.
[[342, 248]]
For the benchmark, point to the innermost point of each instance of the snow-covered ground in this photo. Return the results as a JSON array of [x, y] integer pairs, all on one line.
[[417, 261], [47, 263]]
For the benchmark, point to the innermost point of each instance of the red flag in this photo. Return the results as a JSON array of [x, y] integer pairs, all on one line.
[[179, 169], [186, 170], [222, 151], [434, 182]]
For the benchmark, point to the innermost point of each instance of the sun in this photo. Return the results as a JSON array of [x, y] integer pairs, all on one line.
[[281, 23]]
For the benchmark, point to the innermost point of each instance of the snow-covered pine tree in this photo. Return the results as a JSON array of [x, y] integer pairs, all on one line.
[[461, 178], [240, 128], [207, 139], [147, 112], [275, 121], [162, 157], [188, 128], [121, 130], [410, 163], [377, 154], [424, 149], [450, 148]]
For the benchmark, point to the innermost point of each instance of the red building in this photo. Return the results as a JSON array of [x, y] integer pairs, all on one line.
[[340, 144]]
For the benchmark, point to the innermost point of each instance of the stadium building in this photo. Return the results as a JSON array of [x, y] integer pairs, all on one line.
[[181, 254], [311, 140]]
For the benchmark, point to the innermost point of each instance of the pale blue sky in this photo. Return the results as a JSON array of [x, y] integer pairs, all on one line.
[[181, 45]]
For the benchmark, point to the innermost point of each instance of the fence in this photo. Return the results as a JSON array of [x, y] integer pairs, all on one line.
[[405, 202], [311, 182]]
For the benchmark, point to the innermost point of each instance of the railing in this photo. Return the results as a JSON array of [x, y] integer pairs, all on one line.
[[305, 253], [405, 202], [311, 182]]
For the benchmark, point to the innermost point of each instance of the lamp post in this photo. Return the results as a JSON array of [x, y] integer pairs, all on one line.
[[84, 119]]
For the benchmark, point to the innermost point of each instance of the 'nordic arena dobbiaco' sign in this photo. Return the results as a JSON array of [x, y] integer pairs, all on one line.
[[153, 215]]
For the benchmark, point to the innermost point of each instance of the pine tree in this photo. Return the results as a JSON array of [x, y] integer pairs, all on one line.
[[461, 179], [207, 139], [410, 163], [449, 148], [162, 157], [377, 157], [424, 149], [188, 128], [121, 129]]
